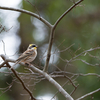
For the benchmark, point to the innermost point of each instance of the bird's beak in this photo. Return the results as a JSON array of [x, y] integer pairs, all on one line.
[[35, 47]]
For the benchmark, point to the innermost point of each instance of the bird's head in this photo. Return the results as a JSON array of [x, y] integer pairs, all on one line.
[[32, 46]]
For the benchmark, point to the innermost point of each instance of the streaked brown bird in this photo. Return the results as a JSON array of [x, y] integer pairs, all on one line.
[[28, 56]]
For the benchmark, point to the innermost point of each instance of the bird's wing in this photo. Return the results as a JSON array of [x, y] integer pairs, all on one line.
[[25, 54]]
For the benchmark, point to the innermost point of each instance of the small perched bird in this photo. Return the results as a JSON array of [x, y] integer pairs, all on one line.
[[28, 56]]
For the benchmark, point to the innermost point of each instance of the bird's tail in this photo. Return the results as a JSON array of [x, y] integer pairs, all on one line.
[[14, 64]]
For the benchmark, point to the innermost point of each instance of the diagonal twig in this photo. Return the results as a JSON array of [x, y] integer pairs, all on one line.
[[88, 94], [66, 12], [34, 7]]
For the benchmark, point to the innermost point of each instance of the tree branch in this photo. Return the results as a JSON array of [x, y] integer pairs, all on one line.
[[29, 13], [52, 34], [91, 49], [52, 81], [15, 73], [48, 77], [88, 94], [49, 50], [66, 12]]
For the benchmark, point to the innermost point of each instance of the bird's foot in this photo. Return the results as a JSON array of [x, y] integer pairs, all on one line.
[[28, 64]]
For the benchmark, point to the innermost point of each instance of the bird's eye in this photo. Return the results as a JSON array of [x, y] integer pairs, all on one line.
[[33, 46]]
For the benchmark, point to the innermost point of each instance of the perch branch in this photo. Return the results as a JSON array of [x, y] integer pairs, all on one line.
[[16, 74], [48, 77]]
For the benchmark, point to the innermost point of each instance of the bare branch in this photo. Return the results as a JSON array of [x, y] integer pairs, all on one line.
[[91, 49], [29, 13], [34, 7], [51, 80], [66, 12], [87, 62], [75, 74], [2, 28], [4, 47], [49, 50], [74, 90], [88, 94], [52, 34], [9, 29], [67, 48], [22, 82], [70, 80], [96, 57], [3, 90], [62, 85]]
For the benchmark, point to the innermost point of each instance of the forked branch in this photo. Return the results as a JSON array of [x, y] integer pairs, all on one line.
[[52, 81], [52, 33]]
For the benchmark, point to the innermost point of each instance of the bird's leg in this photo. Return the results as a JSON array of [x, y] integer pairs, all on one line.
[[27, 63]]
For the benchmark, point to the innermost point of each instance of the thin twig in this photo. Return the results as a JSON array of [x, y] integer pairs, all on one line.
[[61, 17], [34, 7], [67, 48], [86, 62], [96, 57], [91, 49], [75, 74], [8, 29], [88, 94], [6, 89], [74, 90], [62, 86], [4, 47], [2, 28], [70, 80]]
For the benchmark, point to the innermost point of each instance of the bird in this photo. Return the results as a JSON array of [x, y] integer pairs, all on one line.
[[28, 56]]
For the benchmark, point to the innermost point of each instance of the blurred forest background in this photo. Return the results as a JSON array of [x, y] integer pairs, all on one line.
[[80, 27]]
